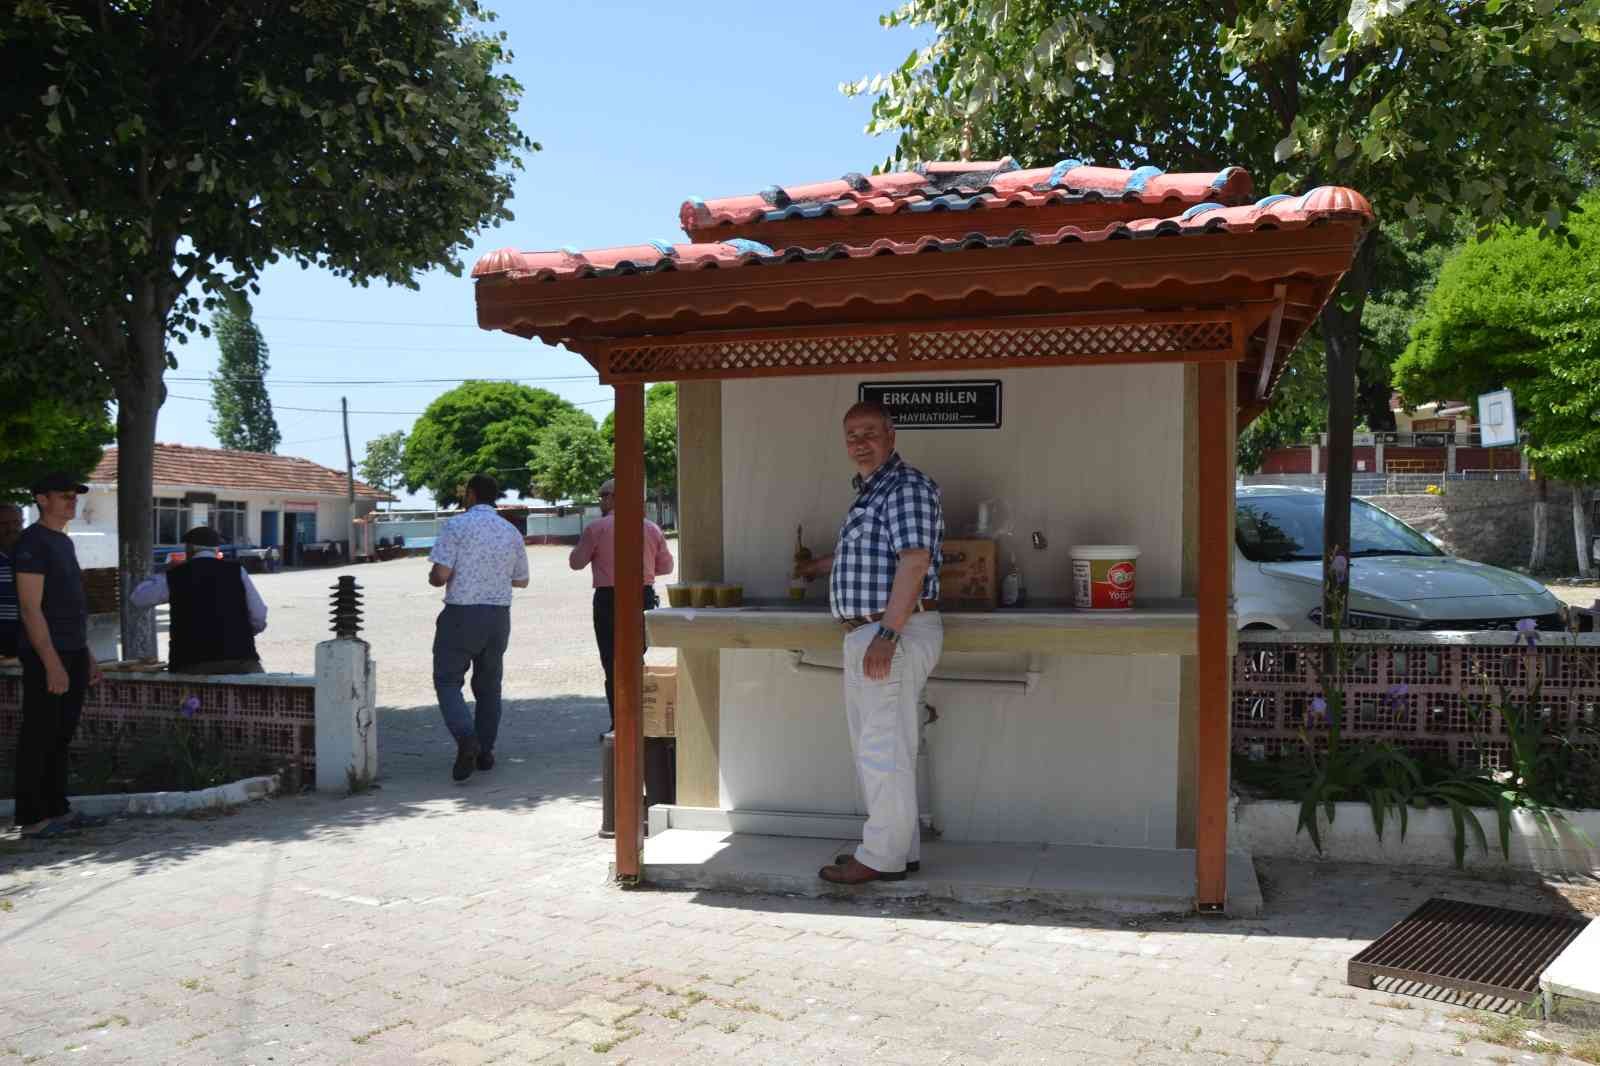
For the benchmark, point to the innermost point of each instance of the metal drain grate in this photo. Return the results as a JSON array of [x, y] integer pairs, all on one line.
[[1468, 947]]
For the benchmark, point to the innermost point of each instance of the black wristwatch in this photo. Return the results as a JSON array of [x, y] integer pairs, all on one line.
[[885, 633]]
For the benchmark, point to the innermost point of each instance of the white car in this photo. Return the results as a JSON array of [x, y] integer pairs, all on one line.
[[1399, 579]]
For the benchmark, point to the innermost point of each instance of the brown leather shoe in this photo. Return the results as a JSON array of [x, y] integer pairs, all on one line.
[[845, 856], [855, 873]]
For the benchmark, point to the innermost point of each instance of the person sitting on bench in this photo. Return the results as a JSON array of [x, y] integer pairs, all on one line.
[[216, 610]]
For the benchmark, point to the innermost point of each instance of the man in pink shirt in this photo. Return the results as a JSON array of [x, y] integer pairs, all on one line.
[[597, 548]]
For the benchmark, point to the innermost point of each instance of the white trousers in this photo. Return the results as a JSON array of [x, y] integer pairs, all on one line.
[[885, 719]]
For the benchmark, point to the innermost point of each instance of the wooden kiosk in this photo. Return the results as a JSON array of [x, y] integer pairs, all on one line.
[[979, 268]]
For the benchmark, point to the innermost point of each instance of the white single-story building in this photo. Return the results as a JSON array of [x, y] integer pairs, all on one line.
[[249, 498]]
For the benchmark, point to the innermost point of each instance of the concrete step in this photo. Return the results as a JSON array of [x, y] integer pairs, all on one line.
[[1128, 880]]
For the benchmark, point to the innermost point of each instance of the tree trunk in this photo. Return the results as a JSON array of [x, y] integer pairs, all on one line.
[[1341, 336], [1541, 525], [1580, 529], [139, 397]]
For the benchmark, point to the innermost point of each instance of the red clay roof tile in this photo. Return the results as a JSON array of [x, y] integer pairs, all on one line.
[[964, 186], [182, 464], [1273, 212]]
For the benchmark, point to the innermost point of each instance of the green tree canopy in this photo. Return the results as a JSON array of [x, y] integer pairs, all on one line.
[[1520, 311], [40, 432], [479, 427], [660, 438], [570, 458], [160, 155], [384, 466], [241, 409], [52, 401]]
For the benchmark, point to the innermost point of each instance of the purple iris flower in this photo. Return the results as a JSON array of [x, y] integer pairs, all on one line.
[[1318, 712], [1397, 691], [189, 707], [1340, 566], [1528, 630]]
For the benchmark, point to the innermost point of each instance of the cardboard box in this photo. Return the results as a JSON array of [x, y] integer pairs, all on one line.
[[660, 698], [967, 579]]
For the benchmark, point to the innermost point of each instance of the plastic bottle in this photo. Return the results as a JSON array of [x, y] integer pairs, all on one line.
[[802, 555], [1011, 588]]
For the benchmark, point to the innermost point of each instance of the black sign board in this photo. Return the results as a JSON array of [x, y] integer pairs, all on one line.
[[938, 404], [1432, 440]]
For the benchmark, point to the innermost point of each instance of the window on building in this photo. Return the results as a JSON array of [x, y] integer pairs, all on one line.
[[170, 515], [228, 519]]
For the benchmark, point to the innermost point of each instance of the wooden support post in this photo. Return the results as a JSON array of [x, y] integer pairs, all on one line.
[[1188, 677], [1214, 478], [699, 729], [628, 775]]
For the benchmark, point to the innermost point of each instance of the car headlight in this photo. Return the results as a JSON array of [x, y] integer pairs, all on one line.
[[1368, 620]]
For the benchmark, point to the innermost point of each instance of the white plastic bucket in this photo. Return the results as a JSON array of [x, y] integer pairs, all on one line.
[[1103, 576]]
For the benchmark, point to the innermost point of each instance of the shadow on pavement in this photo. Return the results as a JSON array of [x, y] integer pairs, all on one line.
[[547, 753], [1306, 900]]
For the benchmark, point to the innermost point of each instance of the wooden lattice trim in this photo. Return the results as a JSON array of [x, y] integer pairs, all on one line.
[[914, 347], [1059, 341]]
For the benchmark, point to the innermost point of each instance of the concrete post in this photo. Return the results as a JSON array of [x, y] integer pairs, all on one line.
[[347, 723], [1316, 458], [1377, 456], [1449, 458]]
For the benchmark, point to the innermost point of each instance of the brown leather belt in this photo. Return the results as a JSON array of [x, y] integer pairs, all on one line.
[[853, 624]]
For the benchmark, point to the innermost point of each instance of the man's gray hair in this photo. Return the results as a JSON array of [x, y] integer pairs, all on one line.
[[870, 407]]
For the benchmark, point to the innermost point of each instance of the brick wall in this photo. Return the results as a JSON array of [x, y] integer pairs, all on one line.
[[1491, 521], [269, 715]]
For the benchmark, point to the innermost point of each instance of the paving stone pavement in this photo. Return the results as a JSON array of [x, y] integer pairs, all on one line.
[[434, 923]]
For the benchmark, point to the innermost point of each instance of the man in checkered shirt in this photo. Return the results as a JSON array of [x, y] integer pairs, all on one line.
[[884, 589]]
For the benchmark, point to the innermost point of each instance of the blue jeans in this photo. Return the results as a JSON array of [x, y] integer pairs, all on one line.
[[474, 636]]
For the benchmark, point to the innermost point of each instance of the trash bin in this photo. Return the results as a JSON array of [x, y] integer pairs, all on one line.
[[608, 800], [660, 777]]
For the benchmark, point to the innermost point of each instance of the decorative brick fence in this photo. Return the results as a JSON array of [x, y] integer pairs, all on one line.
[[1446, 708], [266, 714]]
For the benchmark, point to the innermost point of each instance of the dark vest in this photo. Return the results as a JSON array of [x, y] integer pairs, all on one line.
[[210, 618]]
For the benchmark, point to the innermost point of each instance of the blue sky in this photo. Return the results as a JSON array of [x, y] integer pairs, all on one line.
[[638, 106]]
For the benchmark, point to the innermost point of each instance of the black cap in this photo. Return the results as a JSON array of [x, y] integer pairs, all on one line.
[[58, 482], [202, 537]]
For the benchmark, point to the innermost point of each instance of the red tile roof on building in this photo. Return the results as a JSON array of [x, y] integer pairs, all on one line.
[[964, 186], [1273, 212], [181, 464]]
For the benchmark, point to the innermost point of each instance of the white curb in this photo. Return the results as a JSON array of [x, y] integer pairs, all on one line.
[[1268, 828], [230, 795]]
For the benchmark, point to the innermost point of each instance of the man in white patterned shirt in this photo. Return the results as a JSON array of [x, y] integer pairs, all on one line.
[[478, 559]]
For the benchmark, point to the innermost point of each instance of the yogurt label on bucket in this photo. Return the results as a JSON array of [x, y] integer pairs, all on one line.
[[1103, 576]]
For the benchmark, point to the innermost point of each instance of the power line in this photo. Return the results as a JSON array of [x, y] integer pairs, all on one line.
[[335, 410], [305, 382], [371, 322]]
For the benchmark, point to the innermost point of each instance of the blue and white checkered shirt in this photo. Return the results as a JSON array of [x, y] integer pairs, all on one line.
[[897, 509]]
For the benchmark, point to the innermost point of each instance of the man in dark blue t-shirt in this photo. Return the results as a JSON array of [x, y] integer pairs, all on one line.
[[57, 668], [10, 620]]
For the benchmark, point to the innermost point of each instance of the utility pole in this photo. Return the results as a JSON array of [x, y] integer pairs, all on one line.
[[350, 477]]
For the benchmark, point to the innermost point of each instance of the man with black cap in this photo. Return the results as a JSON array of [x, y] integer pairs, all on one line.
[[57, 669], [216, 610]]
